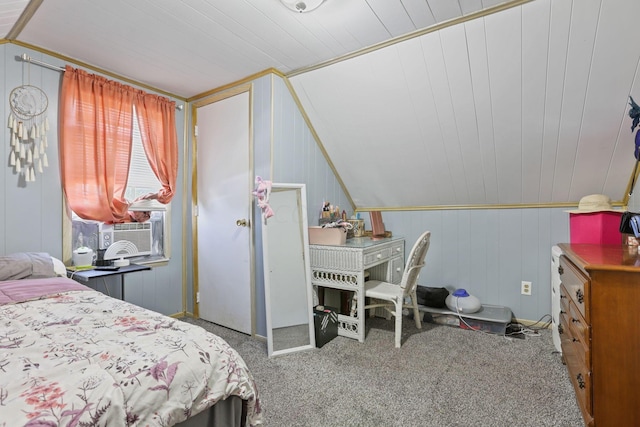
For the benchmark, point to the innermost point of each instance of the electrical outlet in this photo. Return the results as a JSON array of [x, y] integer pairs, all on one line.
[[526, 288]]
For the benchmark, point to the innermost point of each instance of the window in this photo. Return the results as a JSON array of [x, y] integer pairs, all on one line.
[[117, 144], [141, 181]]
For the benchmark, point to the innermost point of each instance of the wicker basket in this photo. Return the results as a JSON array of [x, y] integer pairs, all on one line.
[[357, 229]]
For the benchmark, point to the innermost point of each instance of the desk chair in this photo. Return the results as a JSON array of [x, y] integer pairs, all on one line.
[[391, 297]]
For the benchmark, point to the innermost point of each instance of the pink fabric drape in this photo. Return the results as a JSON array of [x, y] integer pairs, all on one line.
[[95, 144], [159, 140], [96, 119]]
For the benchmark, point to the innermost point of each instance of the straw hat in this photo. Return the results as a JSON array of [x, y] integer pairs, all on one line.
[[594, 203]]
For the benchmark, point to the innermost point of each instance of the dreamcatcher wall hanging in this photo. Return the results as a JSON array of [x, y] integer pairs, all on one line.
[[28, 125]]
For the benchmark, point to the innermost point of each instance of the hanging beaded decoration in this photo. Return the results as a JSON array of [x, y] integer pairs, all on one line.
[[28, 126]]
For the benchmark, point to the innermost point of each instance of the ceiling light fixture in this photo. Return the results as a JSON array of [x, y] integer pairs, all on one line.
[[302, 6]]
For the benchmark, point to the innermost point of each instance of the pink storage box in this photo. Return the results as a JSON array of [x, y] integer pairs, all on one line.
[[327, 236], [595, 227]]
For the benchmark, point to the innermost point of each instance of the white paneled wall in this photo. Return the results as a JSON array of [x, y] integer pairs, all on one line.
[[297, 157], [30, 212]]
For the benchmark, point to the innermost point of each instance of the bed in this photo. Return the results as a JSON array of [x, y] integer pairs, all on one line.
[[72, 356]]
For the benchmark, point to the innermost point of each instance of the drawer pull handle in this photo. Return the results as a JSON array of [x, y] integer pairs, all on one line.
[[575, 340], [580, 379], [562, 296], [379, 256], [398, 269], [580, 296], [560, 270], [398, 249], [560, 329], [575, 320]]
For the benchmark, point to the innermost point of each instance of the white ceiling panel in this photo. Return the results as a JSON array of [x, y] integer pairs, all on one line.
[[217, 42], [527, 105], [10, 11], [535, 45], [444, 10], [464, 132], [605, 122], [558, 41], [395, 19], [479, 68], [579, 56], [516, 108], [428, 160], [504, 50], [449, 166], [421, 16]]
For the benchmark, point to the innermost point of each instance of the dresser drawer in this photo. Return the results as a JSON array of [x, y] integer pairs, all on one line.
[[576, 333], [580, 330], [565, 300], [579, 373], [576, 285]]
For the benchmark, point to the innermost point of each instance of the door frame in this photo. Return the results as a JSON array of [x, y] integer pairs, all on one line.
[[215, 97]]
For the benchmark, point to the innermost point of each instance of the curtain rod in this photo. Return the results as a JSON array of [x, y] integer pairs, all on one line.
[[27, 58]]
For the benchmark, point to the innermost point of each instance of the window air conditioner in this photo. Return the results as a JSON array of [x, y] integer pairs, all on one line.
[[132, 238]]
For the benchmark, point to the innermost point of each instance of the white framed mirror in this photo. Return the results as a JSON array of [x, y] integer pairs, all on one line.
[[287, 272]]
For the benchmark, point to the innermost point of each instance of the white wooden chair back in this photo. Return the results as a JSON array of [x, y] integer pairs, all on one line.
[[415, 262]]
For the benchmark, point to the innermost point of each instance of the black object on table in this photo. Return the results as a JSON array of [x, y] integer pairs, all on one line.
[[98, 272]]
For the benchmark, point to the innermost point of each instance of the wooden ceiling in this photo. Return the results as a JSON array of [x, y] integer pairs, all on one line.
[[192, 46], [443, 103], [527, 106]]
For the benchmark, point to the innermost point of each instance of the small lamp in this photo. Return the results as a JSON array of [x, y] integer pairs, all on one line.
[[302, 6]]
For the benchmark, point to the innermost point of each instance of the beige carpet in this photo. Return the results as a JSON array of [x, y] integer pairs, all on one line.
[[441, 376]]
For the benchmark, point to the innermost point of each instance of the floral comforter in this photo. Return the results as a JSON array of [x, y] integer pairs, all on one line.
[[71, 356]]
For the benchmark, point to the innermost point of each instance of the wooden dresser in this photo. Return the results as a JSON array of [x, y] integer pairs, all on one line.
[[600, 330]]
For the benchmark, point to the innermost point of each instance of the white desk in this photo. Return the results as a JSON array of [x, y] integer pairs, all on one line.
[[343, 267]]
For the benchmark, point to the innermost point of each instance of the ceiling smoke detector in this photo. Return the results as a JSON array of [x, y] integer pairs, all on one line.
[[302, 6]]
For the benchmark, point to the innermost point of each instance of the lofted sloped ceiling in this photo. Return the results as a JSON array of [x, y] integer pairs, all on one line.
[[418, 103], [188, 47], [525, 106]]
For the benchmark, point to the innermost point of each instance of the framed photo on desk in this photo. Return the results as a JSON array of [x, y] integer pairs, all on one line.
[[377, 226]]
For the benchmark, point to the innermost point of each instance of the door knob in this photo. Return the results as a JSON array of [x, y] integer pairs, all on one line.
[[242, 223]]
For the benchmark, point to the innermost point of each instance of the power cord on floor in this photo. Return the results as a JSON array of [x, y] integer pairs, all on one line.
[[532, 330]]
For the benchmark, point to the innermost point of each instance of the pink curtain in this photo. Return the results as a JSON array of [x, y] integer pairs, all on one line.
[[95, 143], [157, 118]]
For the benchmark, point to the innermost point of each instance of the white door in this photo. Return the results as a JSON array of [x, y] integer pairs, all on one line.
[[224, 202]]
